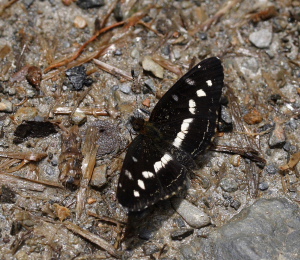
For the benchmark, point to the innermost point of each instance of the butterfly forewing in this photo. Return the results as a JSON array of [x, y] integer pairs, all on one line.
[[180, 127], [186, 115]]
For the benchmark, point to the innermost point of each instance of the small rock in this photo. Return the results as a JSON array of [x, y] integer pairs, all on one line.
[[25, 113], [262, 38], [34, 76], [277, 137], [150, 249], [80, 22], [235, 160], [125, 87], [78, 77], [149, 65], [28, 3], [6, 106], [181, 233], [263, 186], [118, 53], [235, 204], [225, 122], [146, 233], [135, 53], [99, 176], [188, 252], [147, 102], [228, 184], [253, 117], [194, 216], [166, 50], [272, 169], [203, 36], [67, 2], [78, 118], [86, 4], [149, 83]]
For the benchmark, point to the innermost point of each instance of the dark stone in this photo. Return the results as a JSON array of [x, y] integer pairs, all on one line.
[[7, 195], [203, 36], [86, 4], [33, 129], [146, 233], [275, 97], [118, 13], [235, 204], [181, 233], [118, 53], [78, 78], [150, 249], [166, 50], [225, 120]]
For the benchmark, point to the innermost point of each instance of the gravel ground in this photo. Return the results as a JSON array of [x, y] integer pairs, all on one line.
[[56, 116]]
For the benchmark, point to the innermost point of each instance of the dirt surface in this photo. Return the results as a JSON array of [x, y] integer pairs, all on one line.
[[81, 126]]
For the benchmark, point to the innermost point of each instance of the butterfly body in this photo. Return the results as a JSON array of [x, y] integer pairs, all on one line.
[[180, 128]]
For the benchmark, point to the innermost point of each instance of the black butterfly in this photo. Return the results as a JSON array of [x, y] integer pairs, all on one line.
[[180, 127]]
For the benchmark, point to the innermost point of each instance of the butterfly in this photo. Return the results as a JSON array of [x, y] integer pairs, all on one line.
[[179, 129]]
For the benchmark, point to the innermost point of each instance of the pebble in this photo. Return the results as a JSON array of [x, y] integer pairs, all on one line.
[[78, 118], [272, 169], [25, 113], [253, 117], [150, 249], [86, 4], [225, 122], [125, 88], [150, 85], [6, 106], [235, 160], [80, 22], [263, 186], [34, 76], [135, 54], [235, 204], [277, 137], [194, 216], [181, 233], [262, 38], [149, 65], [228, 184], [99, 176]]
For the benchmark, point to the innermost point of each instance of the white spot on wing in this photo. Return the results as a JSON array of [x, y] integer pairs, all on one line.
[[192, 106], [190, 81], [165, 159], [134, 159], [128, 174], [157, 166], [136, 193], [209, 83], [147, 174], [201, 93], [141, 184], [163, 162], [199, 66], [120, 185]]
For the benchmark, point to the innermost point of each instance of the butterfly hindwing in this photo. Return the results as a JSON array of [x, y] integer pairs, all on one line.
[[148, 175]]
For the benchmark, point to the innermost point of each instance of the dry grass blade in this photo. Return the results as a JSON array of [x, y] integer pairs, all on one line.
[[92, 238], [89, 151], [112, 70], [213, 20], [88, 111]]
